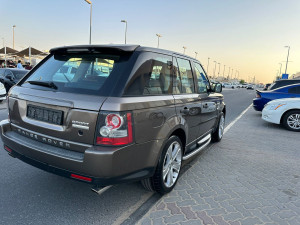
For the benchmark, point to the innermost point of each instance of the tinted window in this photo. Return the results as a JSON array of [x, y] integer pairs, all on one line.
[[152, 76], [294, 90], [20, 74], [2, 73], [201, 79], [7, 72], [80, 73], [186, 76]]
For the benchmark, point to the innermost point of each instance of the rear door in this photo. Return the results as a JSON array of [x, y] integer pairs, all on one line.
[[187, 101], [208, 112]]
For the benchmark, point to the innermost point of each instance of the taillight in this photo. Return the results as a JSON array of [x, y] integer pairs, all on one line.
[[114, 129], [258, 95]]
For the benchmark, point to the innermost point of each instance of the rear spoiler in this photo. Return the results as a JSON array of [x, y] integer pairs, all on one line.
[[95, 49]]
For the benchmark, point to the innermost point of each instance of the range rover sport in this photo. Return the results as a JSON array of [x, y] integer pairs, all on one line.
[[127, 113]]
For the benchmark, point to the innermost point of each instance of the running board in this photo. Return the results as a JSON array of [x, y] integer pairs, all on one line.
[[205, 140]]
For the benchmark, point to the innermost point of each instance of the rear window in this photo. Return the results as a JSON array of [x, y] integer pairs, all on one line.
[[79, 73]]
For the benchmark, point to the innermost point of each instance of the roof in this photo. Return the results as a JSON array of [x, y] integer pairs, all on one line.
[[92, 48], [13, 69], [25, 52], [8, 50], [124, 48]]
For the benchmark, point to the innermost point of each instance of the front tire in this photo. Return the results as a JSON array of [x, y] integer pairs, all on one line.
[[291, 120], [217, 135], [168, 168]]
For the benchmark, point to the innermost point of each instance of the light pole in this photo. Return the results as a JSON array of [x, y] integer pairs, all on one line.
[[13, 36], [219, 69], [228, 72], [90, 3], [280, 69], [196, 53], [215, 68], [224, 71], [231, 73], [207, 65], [158, 37], [287, 58], [184, 48], [124, 21], [3, 42]]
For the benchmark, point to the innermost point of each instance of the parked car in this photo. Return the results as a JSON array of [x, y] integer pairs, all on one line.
[[284, 82], [228, 85], [250, 87], [2, 92], [10, 76], [153, 110], [263, 97], [283, 111]]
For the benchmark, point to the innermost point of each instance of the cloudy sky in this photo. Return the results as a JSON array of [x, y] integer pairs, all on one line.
[[245, 35]]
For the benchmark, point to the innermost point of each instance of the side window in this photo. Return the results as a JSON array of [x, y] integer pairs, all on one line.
[[152, 77], [186, 76], [201, 79], [7, 72], [295, 90], [1, 73]]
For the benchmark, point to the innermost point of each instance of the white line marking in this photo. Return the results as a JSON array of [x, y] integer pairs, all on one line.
[[102, 190], [236, 119]]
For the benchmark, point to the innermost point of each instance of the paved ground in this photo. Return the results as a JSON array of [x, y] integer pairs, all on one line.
[[251, 177]]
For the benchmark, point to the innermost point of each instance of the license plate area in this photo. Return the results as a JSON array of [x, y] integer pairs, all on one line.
[[44, 114]]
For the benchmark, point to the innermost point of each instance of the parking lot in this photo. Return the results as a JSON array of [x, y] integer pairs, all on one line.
[[250, 177]]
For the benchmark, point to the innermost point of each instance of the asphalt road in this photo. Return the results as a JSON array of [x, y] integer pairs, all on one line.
[[32, 196]]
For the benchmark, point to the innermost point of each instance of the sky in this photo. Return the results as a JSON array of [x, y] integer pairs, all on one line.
[[246, 35]]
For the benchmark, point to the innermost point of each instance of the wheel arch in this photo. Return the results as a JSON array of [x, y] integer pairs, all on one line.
[[292, 109]]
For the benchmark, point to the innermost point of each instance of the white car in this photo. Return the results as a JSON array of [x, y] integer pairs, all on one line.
[[285, 111], [2, 92]]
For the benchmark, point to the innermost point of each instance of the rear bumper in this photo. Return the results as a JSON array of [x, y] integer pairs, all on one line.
[[101, 165]]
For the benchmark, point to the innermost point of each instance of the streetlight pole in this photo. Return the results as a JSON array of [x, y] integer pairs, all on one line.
[[231, 73], [158, 36], [207, 65], [223, 70], [184, 48], [13, 36], [90, 3], [215, 68], [287, 58], [228, 72], [219, 69], [280, 68], [196, 53], [124, 21]]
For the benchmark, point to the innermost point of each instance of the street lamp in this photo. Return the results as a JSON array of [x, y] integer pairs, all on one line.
[[89, 2], [231, 73], [196, 53], [287, 58], [124, 21], [223, 71], [158, 36], [184, 48], [13, 36], [215, 68], [228, 72], [219, 69], [207, 65]]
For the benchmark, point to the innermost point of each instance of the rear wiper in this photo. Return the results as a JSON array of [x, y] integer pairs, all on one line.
[[49, 84]]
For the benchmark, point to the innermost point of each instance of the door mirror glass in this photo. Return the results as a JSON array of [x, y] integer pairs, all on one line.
[[216, 87]]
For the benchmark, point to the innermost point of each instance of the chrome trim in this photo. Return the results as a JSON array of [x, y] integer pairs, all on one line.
[[80, 127], [205, 139]]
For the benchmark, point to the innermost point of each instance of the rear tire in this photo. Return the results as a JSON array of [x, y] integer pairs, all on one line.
[[217, 135], [291, 120], [168, 168]]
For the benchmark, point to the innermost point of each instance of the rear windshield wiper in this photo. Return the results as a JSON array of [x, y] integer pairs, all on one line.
[[49, 84]]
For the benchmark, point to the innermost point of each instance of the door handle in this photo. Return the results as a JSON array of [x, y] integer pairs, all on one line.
[[185, 110]]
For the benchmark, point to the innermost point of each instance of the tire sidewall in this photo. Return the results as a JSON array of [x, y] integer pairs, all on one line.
[[159, 171], [285, 118]]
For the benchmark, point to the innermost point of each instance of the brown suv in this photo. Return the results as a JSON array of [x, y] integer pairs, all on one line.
[[106, 114]]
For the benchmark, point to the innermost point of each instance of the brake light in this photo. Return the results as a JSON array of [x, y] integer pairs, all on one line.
[[258, 95], [7, 149], [114, 129]]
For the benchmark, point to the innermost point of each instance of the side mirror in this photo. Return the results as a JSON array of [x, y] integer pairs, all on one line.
[[9, 77], [216, 87]]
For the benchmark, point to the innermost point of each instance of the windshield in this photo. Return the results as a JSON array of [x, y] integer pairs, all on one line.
[[77, 73]]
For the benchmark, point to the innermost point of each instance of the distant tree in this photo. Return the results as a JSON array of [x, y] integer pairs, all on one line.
[[242, 81]]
